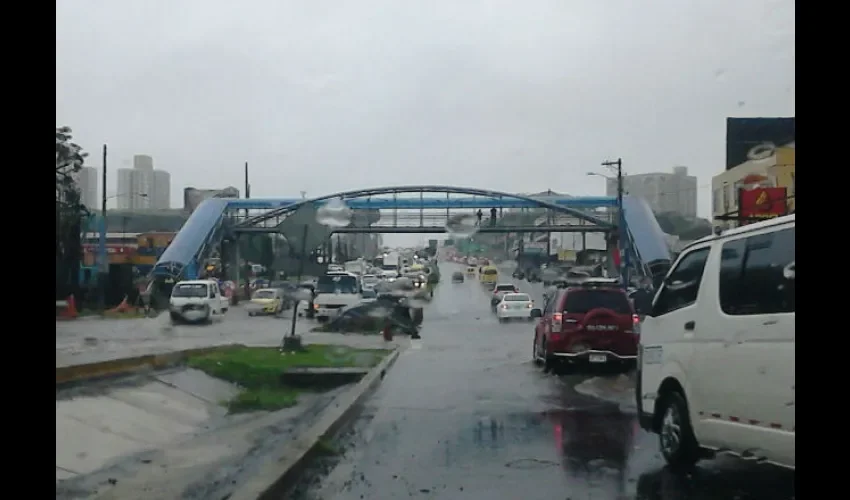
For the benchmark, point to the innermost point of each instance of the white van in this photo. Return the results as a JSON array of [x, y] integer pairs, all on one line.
[[197, 302], [716, 359], [335, 291]]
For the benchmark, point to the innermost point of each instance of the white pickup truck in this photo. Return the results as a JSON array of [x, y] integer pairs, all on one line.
[[197, 302], [334, 292]]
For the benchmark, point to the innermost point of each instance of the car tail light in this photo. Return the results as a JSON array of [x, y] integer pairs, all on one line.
[[504, 306], [530, 305], [557, 318], [635, 319]]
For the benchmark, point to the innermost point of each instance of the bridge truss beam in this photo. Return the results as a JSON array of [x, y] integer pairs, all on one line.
[[442, 229], [447, 190]]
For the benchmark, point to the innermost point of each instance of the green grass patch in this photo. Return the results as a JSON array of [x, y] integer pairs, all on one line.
[[257, 370]]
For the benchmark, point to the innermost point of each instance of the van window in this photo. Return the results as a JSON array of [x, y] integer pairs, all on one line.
[[754, 277], [490, 272], [195, 290], [340, 283], [682, 284]]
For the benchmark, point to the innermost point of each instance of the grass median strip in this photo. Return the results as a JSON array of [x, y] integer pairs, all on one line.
[[257, 371]]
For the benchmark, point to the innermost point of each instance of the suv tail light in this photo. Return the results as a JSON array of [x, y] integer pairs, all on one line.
[[557, 318]]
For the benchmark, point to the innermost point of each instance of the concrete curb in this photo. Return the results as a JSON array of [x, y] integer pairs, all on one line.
[[276, 477], [88, 372]]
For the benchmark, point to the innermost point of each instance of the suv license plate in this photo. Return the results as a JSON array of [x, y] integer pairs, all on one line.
[[598, 358]]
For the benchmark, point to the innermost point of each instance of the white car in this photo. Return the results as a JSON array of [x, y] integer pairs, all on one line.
[[368, 295], [499, 291], [369, 281], [716, 364], [197, 301], [514, 305], [389, 276]]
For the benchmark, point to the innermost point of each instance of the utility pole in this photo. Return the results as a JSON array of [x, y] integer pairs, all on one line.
[[622, 240], [247, 184], [103, 268]]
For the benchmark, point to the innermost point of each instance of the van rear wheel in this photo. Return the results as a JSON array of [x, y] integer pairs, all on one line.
[[676, 435]]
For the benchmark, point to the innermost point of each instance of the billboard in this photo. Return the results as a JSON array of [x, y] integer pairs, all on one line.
[[762, 203], [744, 135], [192, 197]]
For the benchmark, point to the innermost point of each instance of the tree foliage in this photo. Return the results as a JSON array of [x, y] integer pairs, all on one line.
[[69, 213]]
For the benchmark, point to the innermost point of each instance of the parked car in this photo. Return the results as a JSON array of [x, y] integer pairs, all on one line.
[[727, 307], [592, 323]]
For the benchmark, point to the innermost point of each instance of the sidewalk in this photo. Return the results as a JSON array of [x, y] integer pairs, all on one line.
[[91, 340]]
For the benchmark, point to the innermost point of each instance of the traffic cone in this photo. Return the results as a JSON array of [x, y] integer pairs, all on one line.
[[123, 307], [71, 310]]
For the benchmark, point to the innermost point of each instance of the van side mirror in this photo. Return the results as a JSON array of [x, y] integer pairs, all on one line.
[[536, 313]]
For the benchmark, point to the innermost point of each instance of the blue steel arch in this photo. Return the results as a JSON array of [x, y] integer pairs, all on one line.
[[361, 193]]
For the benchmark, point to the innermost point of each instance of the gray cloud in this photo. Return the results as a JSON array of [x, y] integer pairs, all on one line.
[[329, 95]]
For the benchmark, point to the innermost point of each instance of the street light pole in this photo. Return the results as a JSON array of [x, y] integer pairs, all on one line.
[[622, 239], [103, 267]]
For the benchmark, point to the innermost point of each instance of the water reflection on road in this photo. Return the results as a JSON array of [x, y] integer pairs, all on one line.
[[465, 414]]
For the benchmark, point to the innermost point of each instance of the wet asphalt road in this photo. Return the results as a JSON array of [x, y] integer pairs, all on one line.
[[465, 414]]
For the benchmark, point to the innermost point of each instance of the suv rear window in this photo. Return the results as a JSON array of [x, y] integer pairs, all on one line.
[[583, 301], [520, 297]]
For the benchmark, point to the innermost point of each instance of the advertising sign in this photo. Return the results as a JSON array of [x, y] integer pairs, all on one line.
[[762, 203]]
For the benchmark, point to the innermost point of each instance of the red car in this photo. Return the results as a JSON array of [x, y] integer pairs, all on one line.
[[592, 323]]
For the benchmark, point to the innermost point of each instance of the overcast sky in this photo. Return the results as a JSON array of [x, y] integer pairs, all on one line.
[[331, 95]]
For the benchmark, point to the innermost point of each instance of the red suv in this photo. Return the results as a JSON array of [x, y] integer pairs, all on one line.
[[588, 324]]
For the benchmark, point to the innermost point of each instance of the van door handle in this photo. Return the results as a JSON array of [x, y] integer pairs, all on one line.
[[690, 325]]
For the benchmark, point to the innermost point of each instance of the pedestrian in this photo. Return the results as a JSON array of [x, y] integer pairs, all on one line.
[[479, 214], [493, 213]]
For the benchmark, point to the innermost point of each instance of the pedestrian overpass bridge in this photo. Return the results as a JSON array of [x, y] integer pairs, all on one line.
[[413, 209]]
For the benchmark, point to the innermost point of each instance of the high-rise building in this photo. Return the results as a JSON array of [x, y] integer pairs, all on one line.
[[142, 187], [161, 190], [665, 192], [86, 180]]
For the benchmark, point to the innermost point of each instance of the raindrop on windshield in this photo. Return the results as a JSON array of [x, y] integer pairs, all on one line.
[[378, 312], [334, 213], [416, 302], [462, 225]]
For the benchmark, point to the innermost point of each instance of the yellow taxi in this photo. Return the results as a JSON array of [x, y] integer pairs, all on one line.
[[489, 275], [266, 301]]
